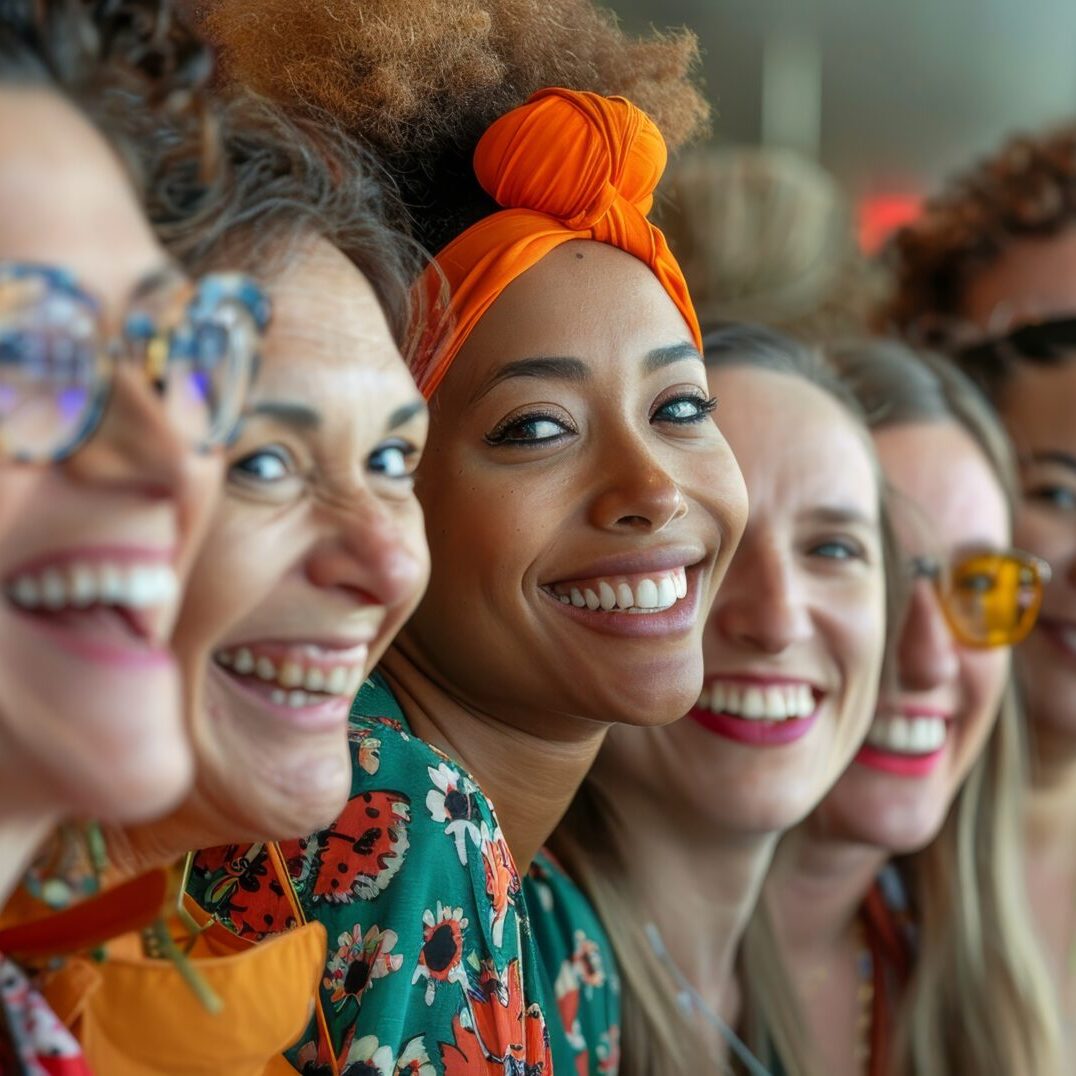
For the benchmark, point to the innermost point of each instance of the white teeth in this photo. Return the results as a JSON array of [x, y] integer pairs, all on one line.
[[907, 735], [291, 674], [680, 580], [336, 683], [666, 593], [83, 589], [81, 585], [53, 590], [26, 592], [646, 594], [293, 681], [754, 704], [777, 702]]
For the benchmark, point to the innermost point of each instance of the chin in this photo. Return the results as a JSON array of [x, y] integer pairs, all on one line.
[[140, 788]]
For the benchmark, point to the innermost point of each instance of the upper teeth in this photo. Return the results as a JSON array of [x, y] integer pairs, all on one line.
[[138, 586], [907, 735], [294, 673], [660, 591], [776, 702]]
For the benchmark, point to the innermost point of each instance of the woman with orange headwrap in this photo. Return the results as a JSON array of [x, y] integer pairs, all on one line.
[[581, 509]]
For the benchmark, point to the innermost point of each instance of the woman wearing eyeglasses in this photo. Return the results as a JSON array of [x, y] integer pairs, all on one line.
[[898, 904], [119, 380]]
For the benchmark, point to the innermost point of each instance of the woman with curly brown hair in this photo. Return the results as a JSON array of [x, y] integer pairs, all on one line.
[[997, 249], [580, 503]]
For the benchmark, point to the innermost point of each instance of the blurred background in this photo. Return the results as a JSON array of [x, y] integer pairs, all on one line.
[[888, 95]]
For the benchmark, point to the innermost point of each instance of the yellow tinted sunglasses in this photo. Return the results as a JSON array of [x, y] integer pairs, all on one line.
[[989, 598]]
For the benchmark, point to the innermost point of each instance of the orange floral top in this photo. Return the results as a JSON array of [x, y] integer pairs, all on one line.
[[432, 968]]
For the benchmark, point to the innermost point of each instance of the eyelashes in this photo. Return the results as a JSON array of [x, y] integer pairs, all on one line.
[[545, 427]]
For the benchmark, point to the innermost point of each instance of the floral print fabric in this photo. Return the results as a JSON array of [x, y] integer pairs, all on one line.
[[32, 1041], [432, 969], [578, 971]]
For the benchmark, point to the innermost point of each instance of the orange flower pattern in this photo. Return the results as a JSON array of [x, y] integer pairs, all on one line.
[[578, 976], [432, 969]]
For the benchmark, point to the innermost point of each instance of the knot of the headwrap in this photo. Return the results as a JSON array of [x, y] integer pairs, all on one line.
[[565, 165], [573, 156]]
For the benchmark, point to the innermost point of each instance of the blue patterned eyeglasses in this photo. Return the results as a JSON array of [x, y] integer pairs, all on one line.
[[197, 344]]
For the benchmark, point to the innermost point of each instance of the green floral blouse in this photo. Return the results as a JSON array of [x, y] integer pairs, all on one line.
[[580, 987], [432, 967]]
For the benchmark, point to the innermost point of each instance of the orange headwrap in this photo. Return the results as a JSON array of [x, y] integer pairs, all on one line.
[[564, 166]]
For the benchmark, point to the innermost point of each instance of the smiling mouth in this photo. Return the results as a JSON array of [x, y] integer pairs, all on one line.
[[652, 592], [298, 676], [115, 602], [897, 734], [750, 702]]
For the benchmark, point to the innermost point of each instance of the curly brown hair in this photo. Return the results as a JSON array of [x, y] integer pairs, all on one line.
[[420, 80], [133, 67], [281, 180], [1027, 190]]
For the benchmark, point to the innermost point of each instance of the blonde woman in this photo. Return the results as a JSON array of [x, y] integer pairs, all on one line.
[[898, 905]]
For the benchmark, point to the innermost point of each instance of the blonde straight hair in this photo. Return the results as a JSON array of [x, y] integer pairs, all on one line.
[[980, 998], [657, 1039]]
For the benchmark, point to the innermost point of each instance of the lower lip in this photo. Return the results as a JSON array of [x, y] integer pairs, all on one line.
[[320, 717], [139, 654], [1061, 635], [678, 619], [899, 765], [755, 733]]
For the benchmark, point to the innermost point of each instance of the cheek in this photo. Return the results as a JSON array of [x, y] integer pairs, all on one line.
[[983, 678], [1046, 537]]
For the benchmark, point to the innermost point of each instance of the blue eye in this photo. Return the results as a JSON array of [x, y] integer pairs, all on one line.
[[837, 549], [684, 410], [1054, 496], [535, 429], [265, 465], [392, 459]]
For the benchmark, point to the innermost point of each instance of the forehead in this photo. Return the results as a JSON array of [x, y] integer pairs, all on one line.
[[946, 491], [65, 200], [584, 300], [1034, 279], [328, 334], [796, 445], [1039, 408]]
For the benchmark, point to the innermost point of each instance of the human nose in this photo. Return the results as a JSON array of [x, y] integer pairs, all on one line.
[[761, 603], [373, 553], [926, 648], [638, 493]]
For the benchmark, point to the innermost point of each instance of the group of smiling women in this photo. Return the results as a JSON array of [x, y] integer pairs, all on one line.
[[465, 662]]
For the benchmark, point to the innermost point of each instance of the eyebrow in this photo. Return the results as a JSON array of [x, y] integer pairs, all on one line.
[[564, 368], [1063, 459], [148, 283], [666, 356], [840, 515], [403, 414], [292, 414]]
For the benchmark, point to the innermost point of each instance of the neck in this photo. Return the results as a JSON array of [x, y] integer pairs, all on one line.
[[1050, 811], [817, 887], [26, 820], [716, 874], [529, 778]]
